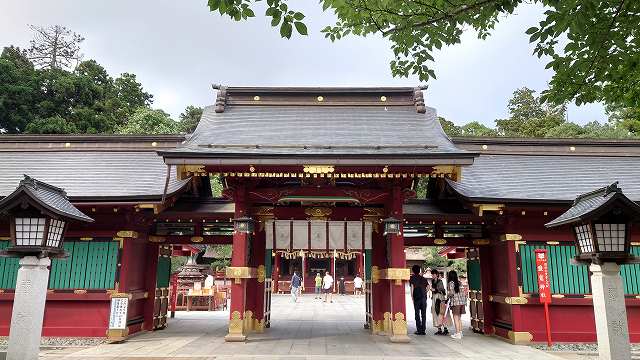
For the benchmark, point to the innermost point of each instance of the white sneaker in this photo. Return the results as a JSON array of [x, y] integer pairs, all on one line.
[[457, 336]]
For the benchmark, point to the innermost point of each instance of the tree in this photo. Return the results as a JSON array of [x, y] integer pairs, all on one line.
[[592, 46], [149, 121], [19, 90], [475, 128], [529, 116], [190, 118], [566, 130], [432, 259], [624, 117], [55, 47], [449, 127]]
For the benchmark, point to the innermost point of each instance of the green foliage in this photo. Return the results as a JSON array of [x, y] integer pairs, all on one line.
[[591, 45], [624, 117], [449, 127], [216, 186], [177, 262], [432, 259], [190, 118], [222, 256], [48, 99], [529, 116], [475, 128], [149, 121]]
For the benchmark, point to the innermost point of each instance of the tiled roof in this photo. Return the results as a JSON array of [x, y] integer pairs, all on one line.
[[545, 177], [50, 197], [90, 174], [344, 125]]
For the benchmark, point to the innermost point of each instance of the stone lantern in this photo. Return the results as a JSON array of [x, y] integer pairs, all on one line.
[[38, 216], [601, 223]]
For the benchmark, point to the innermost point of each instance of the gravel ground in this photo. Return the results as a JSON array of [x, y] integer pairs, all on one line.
[[576, 347], [61, 341]]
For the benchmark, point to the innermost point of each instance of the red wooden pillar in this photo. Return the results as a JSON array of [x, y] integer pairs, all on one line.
[[151, 274], [255, 289], [359, 267], [379, 287], [395, 273], [276, 272], [239, 266]]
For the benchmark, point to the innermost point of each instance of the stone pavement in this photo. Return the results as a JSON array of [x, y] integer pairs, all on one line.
[[308, 329]]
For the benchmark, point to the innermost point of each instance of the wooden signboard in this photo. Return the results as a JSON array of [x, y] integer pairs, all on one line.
[[118, 317], [544, 288]]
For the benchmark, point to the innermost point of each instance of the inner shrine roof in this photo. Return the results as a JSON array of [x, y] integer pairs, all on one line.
[[346, 123]]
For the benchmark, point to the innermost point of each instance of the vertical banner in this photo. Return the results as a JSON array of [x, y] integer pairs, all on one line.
[[544, 288]]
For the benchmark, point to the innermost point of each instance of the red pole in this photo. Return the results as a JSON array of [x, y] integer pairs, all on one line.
[[174, 294], [546, 316]]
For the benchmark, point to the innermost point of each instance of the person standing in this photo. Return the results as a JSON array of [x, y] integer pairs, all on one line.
[[419, 296], [457, 300], [296, 281], [357, 285], [438, 296], [327, 287], [318, 282], [341, 286]]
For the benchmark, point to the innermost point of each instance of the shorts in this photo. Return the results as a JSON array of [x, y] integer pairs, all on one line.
[[458, 310], [327, 291]]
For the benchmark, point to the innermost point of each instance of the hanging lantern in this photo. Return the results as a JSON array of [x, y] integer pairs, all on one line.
[[244, 225], [391, 226]]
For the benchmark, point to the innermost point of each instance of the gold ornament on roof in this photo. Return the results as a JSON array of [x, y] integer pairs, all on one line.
[[318, 213], [318, 169]]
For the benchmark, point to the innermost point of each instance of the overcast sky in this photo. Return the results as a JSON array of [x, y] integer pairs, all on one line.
[[178, 49]]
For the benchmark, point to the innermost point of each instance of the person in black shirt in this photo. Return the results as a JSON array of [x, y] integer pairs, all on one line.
[[419, 295]]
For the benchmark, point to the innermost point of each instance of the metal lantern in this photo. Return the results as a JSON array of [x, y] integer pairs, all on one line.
[[391, 226], [38, 215], [601, 222], [244, 225]]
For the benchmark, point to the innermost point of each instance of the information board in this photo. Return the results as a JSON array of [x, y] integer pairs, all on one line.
[[118, 316]]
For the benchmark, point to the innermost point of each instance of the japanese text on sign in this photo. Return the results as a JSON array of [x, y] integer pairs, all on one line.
[[118, 316], [542, 272]]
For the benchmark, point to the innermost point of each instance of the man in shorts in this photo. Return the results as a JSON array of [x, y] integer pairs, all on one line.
[[327, 287]]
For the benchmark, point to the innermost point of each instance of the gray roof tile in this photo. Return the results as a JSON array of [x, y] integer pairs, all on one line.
[[323, 130], [545, 178], [90, 174]]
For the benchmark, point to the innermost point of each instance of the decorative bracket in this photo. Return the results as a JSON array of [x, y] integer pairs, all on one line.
[[397, 274], [238, 273]]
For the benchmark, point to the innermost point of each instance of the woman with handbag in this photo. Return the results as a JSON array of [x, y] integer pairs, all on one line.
[[457, 299], [438, 305]]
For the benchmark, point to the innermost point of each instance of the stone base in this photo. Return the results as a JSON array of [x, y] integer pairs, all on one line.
[[400, 339], [235, 338]]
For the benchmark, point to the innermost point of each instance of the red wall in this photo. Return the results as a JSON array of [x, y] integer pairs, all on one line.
[[66, 314]]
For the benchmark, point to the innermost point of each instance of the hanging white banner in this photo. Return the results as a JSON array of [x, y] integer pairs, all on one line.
[[300, 234], [354, 235], [268, 232], [368, 230], [318, 235], [283, 234], [336, 235]]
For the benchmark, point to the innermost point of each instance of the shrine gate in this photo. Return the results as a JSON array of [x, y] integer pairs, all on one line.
[[309, 176]]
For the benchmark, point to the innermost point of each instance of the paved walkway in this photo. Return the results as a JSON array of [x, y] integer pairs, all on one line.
[[308, 329]]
